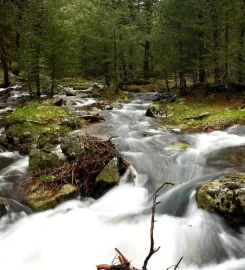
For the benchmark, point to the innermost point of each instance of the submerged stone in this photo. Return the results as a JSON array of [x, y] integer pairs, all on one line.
[[179, 146], [224, 196]]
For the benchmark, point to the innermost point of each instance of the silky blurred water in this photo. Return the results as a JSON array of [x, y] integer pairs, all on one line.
[[81, 234]]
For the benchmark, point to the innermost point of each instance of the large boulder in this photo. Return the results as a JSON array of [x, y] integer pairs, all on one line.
[[224, 196], [43, 196], [72, 144], [40, 159]]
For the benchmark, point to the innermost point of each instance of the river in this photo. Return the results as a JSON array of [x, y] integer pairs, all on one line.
[[81, 234]]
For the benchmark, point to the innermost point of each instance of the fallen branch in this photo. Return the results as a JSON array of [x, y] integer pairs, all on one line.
[[155, 203], [177, 265], [124, 263]]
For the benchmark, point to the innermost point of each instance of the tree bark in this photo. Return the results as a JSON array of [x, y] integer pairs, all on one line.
[[4, 61], [115, 63], [147, 60], [241, 76]]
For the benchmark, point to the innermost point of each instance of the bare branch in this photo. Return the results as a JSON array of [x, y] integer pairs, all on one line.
[[152, 249]]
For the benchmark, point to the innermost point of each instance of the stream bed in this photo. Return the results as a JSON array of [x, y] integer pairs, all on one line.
[[81, 234]]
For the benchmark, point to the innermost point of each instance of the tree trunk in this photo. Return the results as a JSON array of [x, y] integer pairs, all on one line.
[[241, 54], [115, 63], [4, 61], [147, 60], [216, 42], [202, 74], [226, 49]]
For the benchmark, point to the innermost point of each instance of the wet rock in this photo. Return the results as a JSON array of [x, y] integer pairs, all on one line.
[[158, 112], [224, 196], [40, 159], [108, 107], [70, 94], [69, 103], [179, 146], [110, 173], [72, 144], [58, 101], [107, 178], [41, 197], [82, 95], [6, 161], [3, 140], [164, 97], [3, 208]]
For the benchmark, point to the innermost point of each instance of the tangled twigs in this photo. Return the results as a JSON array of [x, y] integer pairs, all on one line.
[[155, 203]]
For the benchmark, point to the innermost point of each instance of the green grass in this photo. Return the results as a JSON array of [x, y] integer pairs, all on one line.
[[38, 112], [223, 114], [36, 129], [75, 83]]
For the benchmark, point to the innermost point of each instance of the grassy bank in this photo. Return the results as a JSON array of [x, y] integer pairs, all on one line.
[[183, 114]]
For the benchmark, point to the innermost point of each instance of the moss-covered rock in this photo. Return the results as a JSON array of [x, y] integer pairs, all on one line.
[[41, 197], [110, 173], [179, 146], [42, 159], [156, 111], [224, 196], [73, 143]]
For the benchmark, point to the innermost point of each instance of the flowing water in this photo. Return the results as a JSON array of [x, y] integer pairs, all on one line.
[[81, 234]]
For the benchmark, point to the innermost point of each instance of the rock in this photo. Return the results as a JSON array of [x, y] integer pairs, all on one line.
[[179, 146], [69, 94], [82, 95], [72, 144], [156, 111], [58, 101], [7, 160], [109, 107], [224, 196], [3, 208], [96, 110], [164, 97], [70, 103], [198, 117], [110, 173], [42, 159], [3, 140], [40, 197]]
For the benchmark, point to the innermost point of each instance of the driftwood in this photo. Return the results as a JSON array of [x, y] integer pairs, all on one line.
[[124, 263], [92, 118]]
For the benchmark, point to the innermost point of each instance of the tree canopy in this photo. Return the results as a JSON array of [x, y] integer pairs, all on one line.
[[120, 40]]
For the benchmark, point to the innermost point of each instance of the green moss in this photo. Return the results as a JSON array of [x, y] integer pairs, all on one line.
[[179, 146], [41, 197], [36, 129], [222, 115], [47, 178], [75, 84], [38, 112], [109, 94]]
